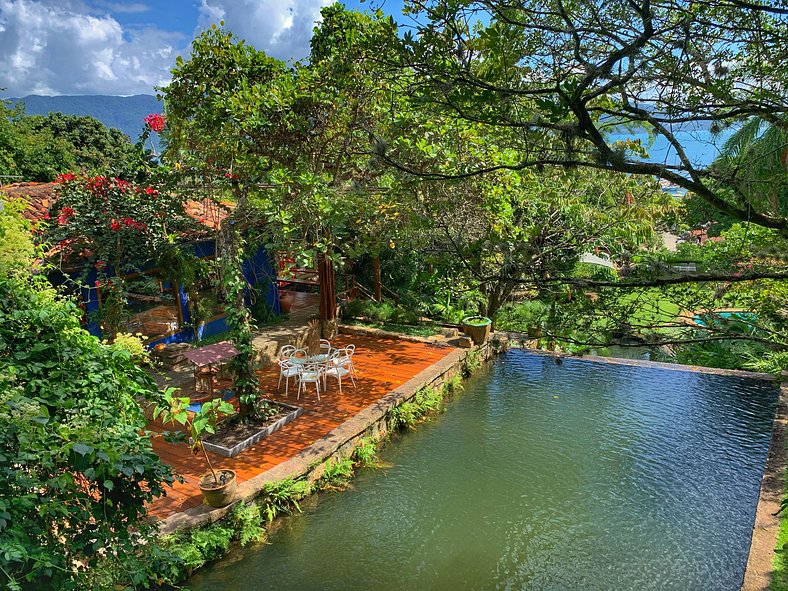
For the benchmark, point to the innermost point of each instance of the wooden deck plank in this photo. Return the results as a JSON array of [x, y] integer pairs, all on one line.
[[382, 365]]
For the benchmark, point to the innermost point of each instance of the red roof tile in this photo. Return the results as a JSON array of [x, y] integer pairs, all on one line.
[[42, 196]]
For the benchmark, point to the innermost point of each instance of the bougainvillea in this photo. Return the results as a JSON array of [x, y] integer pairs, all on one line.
[[115, 227]]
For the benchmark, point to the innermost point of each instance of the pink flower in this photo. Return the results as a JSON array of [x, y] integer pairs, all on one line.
[[156, 122]]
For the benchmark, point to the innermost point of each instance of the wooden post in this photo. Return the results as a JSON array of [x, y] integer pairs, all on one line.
[[328, 297], [376, 278]]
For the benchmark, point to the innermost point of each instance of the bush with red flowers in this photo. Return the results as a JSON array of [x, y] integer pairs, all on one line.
[[116, 227]]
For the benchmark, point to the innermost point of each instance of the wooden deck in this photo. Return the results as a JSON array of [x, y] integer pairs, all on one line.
[[381, 364]]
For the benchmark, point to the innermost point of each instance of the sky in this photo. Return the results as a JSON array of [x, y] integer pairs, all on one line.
[[55, 47]]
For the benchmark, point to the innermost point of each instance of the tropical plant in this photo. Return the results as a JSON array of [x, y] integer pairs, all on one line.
[[175, 410]]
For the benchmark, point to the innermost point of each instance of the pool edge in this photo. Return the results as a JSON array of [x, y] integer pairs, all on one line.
[[766, 527]]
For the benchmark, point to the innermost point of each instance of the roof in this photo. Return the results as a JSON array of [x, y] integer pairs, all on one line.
[[41, 197]]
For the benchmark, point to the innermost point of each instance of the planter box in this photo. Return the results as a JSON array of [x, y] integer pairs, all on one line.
[[288, 415]]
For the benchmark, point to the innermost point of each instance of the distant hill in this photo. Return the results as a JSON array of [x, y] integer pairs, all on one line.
[[122, 112]]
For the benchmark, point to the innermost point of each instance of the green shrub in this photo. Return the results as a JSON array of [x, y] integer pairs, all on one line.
[[366, 453], [281, 498], [336, 474], [76, 470]]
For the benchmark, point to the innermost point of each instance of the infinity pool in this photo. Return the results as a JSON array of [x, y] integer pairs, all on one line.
[[542, 476]]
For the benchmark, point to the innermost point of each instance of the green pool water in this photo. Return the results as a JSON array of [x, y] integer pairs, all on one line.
[[541, 476]]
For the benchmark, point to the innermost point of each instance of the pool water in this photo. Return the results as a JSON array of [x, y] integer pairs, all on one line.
[[579, 475]]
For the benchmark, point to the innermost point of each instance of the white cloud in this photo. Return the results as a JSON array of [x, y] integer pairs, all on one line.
[[281, 28], [61, 47], [133, 8]]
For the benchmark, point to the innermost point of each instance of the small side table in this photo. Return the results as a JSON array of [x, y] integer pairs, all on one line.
[[204, 359]]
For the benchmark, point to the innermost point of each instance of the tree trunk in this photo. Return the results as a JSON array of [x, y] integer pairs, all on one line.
[[376, 293]]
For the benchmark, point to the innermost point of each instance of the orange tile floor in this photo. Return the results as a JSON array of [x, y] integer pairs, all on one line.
[[381, 364]]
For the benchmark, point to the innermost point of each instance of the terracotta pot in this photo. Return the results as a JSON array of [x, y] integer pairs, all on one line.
[[285, 301], [477, 327], [223, 494]]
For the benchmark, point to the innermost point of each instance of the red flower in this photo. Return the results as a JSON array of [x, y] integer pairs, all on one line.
[[97, 283], [151, 191], [65, 177], [114, 225], [64, 215], [100, 265], [156, 122]]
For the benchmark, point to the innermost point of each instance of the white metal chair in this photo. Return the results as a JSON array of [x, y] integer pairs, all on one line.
[[324, 353], [288, 370], [347, 361], [286, 352], [310, 373], [338, 366]]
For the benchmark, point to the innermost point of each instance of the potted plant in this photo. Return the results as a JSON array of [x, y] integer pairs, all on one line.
[[217, 486], [285, 301], [477, 327]]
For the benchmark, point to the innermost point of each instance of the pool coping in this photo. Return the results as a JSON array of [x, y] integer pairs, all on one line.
[[657, 364], [766, 528]]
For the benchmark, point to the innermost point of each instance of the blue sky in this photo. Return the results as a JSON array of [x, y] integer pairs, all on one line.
[[122, 47]]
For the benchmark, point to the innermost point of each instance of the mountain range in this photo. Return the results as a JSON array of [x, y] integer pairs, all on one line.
[[125, 113]]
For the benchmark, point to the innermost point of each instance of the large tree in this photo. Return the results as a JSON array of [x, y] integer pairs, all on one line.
[[570, 79]]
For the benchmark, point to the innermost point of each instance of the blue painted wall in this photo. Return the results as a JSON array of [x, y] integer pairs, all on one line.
[[258, 271]]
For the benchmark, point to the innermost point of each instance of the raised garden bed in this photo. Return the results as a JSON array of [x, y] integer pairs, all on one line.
[[232, 440]]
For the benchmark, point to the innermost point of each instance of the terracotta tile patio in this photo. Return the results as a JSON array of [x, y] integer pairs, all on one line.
[[382, 365]]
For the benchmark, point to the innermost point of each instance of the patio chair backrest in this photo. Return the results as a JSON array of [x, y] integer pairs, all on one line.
[[311, 371], [286, 351], [299, 354]]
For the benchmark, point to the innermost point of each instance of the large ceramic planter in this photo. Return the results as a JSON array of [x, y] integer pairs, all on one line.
[[285, 301], [223, 494], [477, 327]]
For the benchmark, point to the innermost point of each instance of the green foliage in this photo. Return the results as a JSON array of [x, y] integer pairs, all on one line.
[[76, 466], [117, 228], [133, 345], [38, 147], [725, 355], [379, 312], [17, 250], [246, 520], [426, 401], [238, 318], [337, 474], [773, 362], [527, 316], [174, 410], [366, 453], [281, 498], [193, 549]]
